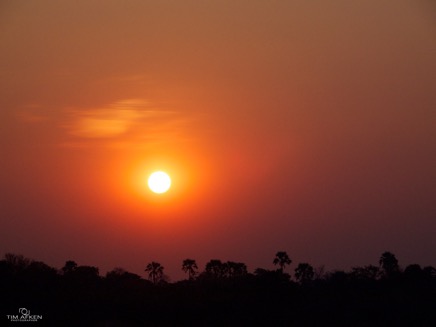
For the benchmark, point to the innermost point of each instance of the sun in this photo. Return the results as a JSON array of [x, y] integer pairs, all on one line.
[[159, 182]]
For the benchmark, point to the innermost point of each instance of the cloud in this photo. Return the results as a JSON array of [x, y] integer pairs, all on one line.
[[112, 121], [125, 123]]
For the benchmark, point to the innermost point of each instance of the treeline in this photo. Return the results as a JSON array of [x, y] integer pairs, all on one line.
[[224, 293]]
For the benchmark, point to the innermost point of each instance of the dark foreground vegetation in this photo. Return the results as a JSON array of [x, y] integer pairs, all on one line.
[[223, 294]]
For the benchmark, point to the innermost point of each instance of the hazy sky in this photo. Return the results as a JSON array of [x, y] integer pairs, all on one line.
[[304, 126]]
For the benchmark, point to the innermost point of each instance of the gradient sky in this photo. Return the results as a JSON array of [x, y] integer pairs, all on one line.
[[303, 126]]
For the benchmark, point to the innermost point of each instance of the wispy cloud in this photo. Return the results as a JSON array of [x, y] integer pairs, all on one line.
[[111, 121], [124, 122]]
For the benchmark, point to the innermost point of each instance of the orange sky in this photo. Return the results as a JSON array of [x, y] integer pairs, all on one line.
[[304, 126]]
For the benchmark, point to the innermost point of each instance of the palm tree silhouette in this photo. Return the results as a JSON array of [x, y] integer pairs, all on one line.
[[389, 264], [282, 259], [155, 271], [190, 266]]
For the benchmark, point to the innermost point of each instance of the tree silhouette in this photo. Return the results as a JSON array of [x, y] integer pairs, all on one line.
[[369, 272], [304, 273], [69, 267], [227, 295], [155, 272], [119, 274], [389, 264], [235, 269], [17, 262], [429, 271], [190, 266], [282, 259], [414, 272], [319, 272], [89, 273], [215, 268]]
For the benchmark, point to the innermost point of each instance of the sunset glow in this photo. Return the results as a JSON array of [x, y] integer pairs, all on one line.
[[166, 130]]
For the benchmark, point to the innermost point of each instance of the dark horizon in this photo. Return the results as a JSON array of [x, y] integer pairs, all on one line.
[[323, 269], [224, 293]]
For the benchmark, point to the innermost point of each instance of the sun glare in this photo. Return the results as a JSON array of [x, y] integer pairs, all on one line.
[[159, 182]]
